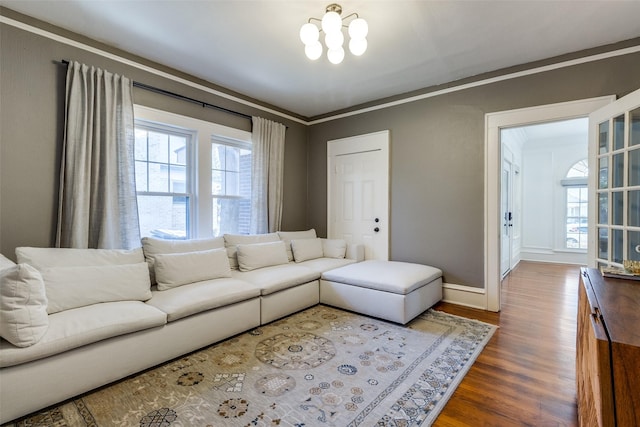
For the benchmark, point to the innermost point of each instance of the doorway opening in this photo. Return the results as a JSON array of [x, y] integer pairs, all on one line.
[[494, 123], [544, 198]]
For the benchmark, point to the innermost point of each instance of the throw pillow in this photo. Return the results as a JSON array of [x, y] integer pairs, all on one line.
[[258, 255], [306, 249], [23, 305], [173, 270], [288, 236], [231, 241], [153, 247], [72, 287], [334, 248]]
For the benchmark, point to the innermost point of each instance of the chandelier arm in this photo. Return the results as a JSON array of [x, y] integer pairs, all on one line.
[[351, 15]]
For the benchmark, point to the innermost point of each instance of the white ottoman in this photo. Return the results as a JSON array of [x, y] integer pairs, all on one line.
[[391, 290]]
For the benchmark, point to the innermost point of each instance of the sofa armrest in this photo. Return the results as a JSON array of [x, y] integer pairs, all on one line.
[[355, 251]]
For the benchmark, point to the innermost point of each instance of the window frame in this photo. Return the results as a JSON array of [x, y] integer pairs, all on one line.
[[189, 193], [572, 181], [201, 208], [242, 145]]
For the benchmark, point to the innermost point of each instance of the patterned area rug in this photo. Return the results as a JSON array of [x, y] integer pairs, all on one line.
[[319, 367]]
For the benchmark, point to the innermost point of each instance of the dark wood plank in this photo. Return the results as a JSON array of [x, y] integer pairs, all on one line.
[[526, 374]]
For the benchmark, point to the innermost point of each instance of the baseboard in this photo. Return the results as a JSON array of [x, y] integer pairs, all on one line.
[[464, 295], [557, 256]]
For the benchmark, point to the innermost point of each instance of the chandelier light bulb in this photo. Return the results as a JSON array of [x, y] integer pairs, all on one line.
[[313, 50], [358, 46], [331, 22], [332, 25], [335, 56], [334, 40], [358, 29], [309, 33]]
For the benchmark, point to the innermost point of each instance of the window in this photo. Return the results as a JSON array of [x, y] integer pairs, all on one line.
[[193, 178], [577, 205], [230, 187], [162, 180]]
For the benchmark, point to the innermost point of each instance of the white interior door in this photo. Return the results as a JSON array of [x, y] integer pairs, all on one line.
[[614, 189], [358, 192]]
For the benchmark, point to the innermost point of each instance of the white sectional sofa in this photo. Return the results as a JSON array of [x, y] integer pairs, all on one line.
[[72, 320], [76, 319]]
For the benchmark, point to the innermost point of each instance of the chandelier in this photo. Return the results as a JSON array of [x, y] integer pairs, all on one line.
[[332, 24]]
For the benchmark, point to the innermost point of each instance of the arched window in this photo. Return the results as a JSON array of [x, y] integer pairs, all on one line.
[[577, 203], [579, 170]]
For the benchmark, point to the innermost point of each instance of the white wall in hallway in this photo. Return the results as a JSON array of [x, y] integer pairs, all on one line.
[[546, 161]]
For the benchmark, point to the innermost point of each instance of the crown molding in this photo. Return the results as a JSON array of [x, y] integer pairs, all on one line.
[[381, 106]]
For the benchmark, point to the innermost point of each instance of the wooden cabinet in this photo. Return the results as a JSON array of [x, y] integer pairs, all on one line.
[[608, 351]]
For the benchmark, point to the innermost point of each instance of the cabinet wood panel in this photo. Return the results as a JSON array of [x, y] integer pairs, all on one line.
[[608, 351]]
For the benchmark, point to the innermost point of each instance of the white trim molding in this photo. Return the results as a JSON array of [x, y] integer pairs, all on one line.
[[464, 295], [103, 53], [453, 88]]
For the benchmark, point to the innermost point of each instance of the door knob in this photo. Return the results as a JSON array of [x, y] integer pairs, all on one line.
[[377, 220], [376, 229]]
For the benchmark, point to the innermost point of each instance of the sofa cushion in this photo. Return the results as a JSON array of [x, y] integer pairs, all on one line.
[[288, 236], [320, 265], [334, 248], [23, 305], [73, 287], [388, 276], [180, 269], [304, 249], [259, 255], [153, 247], [197, 297], [278, 277], [74, 328], [42, 258], [231, 241]]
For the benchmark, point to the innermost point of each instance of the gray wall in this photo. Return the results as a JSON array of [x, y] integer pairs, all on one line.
[[31, 131], [437, 147], [437, 160]]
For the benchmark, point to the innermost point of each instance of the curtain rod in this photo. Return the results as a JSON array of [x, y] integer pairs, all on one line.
[[182, 97]]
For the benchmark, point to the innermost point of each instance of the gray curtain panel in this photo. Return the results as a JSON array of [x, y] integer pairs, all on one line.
[[267, 153], [97, 205]]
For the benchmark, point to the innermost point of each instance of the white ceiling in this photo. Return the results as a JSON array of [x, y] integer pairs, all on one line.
[[252, 46]]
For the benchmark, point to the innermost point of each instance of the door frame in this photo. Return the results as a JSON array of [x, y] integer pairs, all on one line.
[[508, 208], [494, 122], [360, 144]]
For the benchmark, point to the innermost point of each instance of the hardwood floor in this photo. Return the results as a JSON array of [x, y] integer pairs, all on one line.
[[526, 374]]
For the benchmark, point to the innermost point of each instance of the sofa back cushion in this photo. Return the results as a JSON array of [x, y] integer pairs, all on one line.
[[23, 305], [334, 248], [231, 241], [79, 277], [153, 247], [259, 255], [79, 286], [179, 269], [288, 236], [42, 258], [306, 249]]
